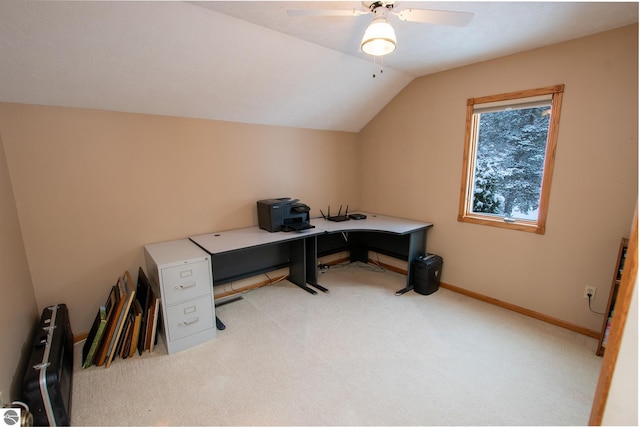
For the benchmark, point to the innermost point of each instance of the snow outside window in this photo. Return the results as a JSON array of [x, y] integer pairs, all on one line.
[[510, 143]]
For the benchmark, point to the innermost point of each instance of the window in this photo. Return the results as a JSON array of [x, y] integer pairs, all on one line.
[[510, 144]]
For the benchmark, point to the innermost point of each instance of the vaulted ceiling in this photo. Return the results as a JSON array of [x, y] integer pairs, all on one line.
[[250, 62]]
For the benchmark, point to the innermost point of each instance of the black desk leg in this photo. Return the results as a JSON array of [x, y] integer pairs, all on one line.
[[219, 325], [311, 262], [417, 245], [297, 265], [320, 287], [305, 287], [404, 290]]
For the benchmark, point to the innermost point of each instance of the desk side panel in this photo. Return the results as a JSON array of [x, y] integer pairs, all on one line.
[[240, 264], [394, 245], [331, 243], [360, 242]]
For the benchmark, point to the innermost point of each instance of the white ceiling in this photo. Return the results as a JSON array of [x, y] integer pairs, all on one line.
[[249, 62]]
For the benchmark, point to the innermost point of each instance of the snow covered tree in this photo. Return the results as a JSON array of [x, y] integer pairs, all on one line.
[[485, 196], [510, 160]]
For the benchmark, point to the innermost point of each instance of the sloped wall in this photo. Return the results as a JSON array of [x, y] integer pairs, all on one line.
[[416, 145]]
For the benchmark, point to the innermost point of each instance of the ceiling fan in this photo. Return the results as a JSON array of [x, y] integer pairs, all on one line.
[[380, 39]]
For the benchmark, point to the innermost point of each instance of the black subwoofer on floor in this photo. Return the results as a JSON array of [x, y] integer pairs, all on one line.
[[425, 273]]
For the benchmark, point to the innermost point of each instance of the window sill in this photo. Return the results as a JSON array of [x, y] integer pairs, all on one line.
[[519, 225]]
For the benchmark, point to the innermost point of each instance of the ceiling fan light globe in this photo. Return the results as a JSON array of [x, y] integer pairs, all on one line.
[[379, 39], [378, 47]]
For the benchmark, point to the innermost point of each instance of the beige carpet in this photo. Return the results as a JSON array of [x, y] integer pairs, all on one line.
[[357, 356]]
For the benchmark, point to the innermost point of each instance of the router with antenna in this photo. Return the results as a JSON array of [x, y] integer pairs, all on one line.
[[339, 217]]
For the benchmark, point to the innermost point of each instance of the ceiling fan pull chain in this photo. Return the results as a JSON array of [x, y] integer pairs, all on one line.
[[374, 67], [381, 65]]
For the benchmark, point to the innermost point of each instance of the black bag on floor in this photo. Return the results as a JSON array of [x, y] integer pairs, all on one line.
[[46, 387]]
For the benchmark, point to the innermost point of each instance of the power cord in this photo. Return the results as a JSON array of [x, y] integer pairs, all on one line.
[[590, 309], [380, 268], [277, 279]]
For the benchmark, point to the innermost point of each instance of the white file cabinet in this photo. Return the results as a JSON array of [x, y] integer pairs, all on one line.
[[180, 273]]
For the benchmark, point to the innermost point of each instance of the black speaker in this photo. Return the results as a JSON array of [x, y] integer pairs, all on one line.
[[425, 274]]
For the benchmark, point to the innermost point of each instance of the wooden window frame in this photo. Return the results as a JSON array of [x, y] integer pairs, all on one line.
[[465, 214]]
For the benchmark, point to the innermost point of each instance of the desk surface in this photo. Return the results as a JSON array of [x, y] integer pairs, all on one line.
[[242, 238], [373, 222]]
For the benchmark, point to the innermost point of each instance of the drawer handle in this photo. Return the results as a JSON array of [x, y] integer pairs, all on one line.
[[186, 285], [190, 322]]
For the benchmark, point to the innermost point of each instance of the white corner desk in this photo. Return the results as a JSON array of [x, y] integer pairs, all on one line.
[[397, 237], [185, 279], [245, 252]]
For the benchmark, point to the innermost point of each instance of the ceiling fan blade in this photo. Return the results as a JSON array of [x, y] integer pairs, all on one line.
[[325, 12], [438, 17]]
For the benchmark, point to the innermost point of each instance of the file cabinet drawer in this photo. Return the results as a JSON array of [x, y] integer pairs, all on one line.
[[186, 282], [190, 317]]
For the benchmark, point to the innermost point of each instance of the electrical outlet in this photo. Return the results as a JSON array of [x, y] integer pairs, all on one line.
[[589, 290], [1, 400]]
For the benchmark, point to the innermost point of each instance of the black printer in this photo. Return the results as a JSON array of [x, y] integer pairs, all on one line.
[[283, 214]]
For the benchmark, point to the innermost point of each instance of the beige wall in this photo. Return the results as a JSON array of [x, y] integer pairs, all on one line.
[[92, 187], [416, 143], [18, 310]]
